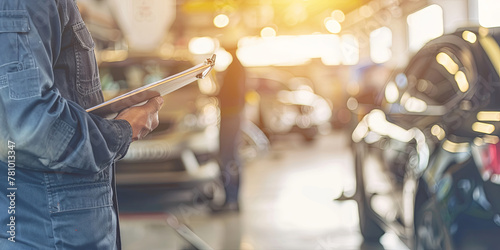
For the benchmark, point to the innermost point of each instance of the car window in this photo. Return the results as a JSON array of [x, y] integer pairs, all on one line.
[[436, 80], [437, 77]]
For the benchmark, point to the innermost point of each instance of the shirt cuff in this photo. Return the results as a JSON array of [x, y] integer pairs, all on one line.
[[124, 132]]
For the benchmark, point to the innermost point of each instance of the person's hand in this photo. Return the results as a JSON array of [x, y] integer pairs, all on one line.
[[143, 119]]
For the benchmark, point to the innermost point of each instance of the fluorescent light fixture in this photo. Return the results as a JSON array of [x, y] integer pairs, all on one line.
[[294, 50]]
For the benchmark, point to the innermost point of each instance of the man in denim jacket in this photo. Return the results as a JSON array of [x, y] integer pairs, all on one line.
[[57, 186]]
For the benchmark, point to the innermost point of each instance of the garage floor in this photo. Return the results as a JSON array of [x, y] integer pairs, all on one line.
[[287, 203]]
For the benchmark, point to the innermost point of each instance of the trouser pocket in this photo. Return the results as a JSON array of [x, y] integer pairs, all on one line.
[[83, 216]]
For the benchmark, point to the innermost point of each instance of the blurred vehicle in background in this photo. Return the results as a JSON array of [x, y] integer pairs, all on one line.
[[177, 162], [282, 106], [427, 158]]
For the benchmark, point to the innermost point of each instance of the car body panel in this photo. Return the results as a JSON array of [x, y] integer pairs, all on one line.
[[420, 176]]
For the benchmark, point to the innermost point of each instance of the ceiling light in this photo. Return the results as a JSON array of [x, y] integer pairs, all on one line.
[[201, 45], [332, 25], [268, 32], [221, 21]]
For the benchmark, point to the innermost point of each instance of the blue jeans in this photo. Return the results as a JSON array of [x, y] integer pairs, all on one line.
[[230, 162]]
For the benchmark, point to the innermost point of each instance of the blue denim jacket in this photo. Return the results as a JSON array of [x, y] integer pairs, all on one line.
[[61, 159]]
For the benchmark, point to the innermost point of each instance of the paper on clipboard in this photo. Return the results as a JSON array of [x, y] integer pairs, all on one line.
[[158, 88]]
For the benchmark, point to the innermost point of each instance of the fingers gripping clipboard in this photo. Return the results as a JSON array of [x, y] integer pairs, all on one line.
[[159, 88]]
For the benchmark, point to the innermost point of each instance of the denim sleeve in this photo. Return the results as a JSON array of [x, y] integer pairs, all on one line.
[[50, 132]]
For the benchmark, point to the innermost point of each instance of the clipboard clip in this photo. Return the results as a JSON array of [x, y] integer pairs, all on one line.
[[210, 62]]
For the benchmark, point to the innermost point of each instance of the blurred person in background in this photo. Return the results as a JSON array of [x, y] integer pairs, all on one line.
[[57, 160], [372, 79], [232, 104]]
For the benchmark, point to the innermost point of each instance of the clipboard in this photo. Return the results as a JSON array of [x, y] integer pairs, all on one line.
[[162, 87]]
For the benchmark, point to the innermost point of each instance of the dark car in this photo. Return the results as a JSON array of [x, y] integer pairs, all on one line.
[[178, 162], [427, 157]]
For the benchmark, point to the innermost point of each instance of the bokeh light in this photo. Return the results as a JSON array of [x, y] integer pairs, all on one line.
[[333, 26], [221, 21], [201, 45], [268, 32], [338, 15]]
